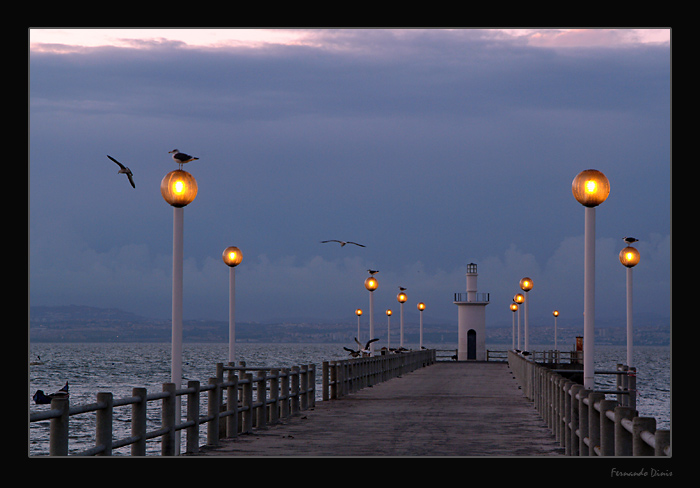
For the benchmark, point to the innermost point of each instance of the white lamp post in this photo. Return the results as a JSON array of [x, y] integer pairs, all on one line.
[[358, 312], [590, 188], [421, 307], [178, 188], [526, 286], [232, 256], [629, 257], [556, 314], [371, 285], [514, 308], [401, 297], [388, 329], [519, 298]]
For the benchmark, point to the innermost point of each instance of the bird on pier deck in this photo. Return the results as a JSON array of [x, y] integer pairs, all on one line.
[[42, 399]]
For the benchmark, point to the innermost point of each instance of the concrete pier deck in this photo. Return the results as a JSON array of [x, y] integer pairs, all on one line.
[[447, 409]]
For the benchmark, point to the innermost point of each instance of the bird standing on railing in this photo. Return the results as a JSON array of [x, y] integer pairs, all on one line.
[[364, 352], [42, 399]]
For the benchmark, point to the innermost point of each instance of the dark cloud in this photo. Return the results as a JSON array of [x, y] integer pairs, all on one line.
[[434, 148]]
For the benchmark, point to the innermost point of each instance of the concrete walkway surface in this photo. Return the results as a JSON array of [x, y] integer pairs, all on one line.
[[447, 409]]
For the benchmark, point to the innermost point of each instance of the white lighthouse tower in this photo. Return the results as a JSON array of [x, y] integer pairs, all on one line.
[[471, 319]]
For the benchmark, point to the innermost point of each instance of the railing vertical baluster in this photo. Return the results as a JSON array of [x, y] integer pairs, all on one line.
[[138, 421], [193, 416], [232, 404], [167, 445], [103, 423], [213, 409]]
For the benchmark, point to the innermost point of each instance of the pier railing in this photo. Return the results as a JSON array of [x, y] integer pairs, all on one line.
[[341, 378], [238, 400], [584, 422]]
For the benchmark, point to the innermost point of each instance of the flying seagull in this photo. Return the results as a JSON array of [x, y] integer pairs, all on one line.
[[373, 271], [181, 158], [124, 170], [630, 240], [342, 243]]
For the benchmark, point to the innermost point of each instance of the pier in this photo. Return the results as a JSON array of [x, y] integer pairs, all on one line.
[[446, 409], [389, 405]]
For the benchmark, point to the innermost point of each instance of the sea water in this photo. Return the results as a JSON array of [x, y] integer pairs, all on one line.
[[120, 367]]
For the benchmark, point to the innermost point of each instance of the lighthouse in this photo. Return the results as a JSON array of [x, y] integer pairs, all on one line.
[[471, 319]]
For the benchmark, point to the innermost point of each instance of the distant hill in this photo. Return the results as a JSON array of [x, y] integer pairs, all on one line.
[[79, 323]]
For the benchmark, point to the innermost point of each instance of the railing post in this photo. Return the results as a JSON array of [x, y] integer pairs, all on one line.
[[312, 385], [103, 423], [607, 428], [573, 446], [284, 393], [662, 439], [167, 443], [639, 425], [193, 416], [623, 438], [261, 398], [632, 387], [213, 409], [58, 431], [232, 403], [325, 371], [247, 403], [304, 387], [138, 422], [594, 422], [295, 390], [274, 395]]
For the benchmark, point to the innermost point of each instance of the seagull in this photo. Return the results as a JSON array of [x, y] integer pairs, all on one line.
[[41, 399], [361, 350], [181, 158], [630, 240], [342, 243], [402, 288], [373, 271], [124, 170]]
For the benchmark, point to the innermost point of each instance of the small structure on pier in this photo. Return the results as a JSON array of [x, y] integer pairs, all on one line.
[[471, 319]]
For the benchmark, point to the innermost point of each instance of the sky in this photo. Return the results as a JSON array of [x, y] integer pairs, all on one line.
[[434, 148]]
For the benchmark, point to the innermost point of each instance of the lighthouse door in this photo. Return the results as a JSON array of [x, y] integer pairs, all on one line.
[[471, 344]]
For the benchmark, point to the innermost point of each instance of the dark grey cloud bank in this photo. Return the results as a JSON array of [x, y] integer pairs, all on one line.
[[434, 149]]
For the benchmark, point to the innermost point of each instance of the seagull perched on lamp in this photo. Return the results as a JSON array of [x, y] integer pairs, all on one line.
[[181, 158], [373, 271], [630, 240]]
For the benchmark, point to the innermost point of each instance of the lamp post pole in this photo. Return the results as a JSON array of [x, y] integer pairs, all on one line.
[[358, 312], [518, 299], [421, 307], [590, 188], [401, 297], [371, 285], [232, 256], [629, 257], [178, 188], [514, 308], [176, 342], [388, 329], [526, 286], [556, 314]]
